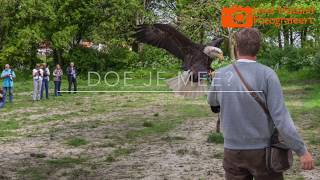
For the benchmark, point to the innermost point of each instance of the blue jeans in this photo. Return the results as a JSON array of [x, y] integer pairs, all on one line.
[[2, 102], [57, 88], [45, 85], [10, 91]]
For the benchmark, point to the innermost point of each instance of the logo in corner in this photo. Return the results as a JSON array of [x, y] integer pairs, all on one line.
[[237, 17]]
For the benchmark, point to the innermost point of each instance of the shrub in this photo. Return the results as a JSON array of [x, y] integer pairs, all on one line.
[[291, 58]]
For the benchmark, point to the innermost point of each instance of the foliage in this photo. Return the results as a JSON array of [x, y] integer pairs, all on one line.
[[121, 58], [290, 58], [156, 58], [86, 59], [64, 24]]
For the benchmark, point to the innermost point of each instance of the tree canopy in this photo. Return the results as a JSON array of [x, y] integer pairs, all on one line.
[[61, 25]]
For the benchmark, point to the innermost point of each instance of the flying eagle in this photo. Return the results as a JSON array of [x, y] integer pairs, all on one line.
[[196, 58]]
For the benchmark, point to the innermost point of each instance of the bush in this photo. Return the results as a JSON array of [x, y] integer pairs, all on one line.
[[157, 58], [290, 58], [86, 59], [121, 58]]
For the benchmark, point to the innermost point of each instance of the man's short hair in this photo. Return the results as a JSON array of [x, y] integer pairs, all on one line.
[[248, 41]]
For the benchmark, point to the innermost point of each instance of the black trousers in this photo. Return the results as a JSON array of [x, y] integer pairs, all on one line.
[[246, 165], [72, 82]]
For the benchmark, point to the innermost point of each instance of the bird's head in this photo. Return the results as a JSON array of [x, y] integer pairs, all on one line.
[[212, 49], [213, 52]]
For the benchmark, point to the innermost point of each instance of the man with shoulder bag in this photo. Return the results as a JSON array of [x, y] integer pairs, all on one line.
[[259, 134]]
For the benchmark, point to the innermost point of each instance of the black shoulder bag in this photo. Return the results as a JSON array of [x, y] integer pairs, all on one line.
[[279, 156]]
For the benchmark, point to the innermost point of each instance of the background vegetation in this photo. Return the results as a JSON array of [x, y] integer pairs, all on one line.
[[62, 25]]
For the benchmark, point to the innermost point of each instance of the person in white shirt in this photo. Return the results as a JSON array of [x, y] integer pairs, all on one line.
[[37, 74]]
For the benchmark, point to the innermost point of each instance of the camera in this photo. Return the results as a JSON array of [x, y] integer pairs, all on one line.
[[237, 17], [45, 73]]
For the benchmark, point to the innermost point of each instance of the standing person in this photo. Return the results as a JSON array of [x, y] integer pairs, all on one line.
[[8, 76], [2, 99], [57, 73], [45, 81], [72, 77], [37, 74], [247, 127]]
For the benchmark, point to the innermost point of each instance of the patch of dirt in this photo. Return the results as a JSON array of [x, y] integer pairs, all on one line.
[[191, 157], [19, 111]]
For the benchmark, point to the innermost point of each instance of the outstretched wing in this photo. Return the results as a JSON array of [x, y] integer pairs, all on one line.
[[166, 37]]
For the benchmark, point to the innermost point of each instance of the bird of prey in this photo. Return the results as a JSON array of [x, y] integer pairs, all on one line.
[[196, 58]]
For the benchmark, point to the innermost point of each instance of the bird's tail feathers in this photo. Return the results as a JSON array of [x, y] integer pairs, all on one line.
[[181, 85]]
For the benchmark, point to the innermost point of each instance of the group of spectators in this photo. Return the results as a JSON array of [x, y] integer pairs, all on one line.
[[41, 77]]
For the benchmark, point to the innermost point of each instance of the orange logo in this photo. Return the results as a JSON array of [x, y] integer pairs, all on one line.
[[237, 17], [245, 17]]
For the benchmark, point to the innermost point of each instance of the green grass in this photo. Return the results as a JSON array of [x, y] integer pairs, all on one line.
[[301, 75], [33, 173], [47, 168], [173, 138], [65, 162], [123, 151], [157, 128], [77, 141], [215, 138], [314, 139], [7, 127], [190, 110], [110, 159], [147, 124]]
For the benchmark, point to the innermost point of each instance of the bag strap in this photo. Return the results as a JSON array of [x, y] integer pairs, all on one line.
[[275, 133], [251, 91]]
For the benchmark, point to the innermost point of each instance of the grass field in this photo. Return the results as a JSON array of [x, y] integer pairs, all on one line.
[[132, 135]]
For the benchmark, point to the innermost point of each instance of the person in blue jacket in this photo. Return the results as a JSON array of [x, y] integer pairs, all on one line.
[[8, 76]]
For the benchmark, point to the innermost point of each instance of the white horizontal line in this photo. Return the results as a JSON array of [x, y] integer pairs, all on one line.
[[154, 91]]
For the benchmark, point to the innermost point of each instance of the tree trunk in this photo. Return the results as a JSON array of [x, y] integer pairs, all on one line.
[[279, 39], [57, 56], [231, 45], [303, 36], [286, 36], [291, 36]]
